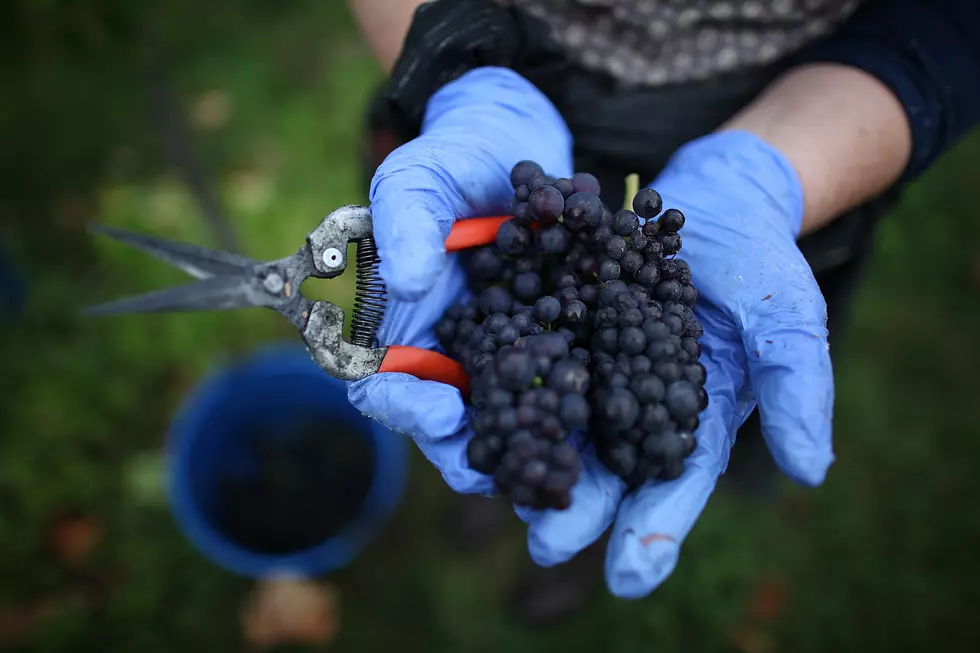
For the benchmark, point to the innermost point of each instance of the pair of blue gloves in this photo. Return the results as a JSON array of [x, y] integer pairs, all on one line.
[[764, 318]]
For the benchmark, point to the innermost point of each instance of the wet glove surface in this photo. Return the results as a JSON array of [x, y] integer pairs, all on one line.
[[762, 312]]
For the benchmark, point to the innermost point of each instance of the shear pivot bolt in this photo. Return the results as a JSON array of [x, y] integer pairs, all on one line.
[[273, 283], [332, 257]]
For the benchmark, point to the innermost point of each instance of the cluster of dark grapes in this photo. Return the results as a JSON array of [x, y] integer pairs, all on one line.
[[581, 318], [648, 383]]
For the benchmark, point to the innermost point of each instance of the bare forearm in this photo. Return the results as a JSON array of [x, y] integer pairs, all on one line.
[[843, 131], [384, 24]]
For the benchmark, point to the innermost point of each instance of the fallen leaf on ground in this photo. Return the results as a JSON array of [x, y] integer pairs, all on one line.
[[212, 110], [750, 639], [768, 599], [290, 611], [72, 538]]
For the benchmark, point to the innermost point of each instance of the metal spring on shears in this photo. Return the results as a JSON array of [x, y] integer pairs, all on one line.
[[370, 294]]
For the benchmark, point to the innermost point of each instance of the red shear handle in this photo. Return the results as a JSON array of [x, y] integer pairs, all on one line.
[[474, 232], [426, 365]]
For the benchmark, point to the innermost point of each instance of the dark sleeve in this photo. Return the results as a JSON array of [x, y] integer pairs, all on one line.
[[928, 53]]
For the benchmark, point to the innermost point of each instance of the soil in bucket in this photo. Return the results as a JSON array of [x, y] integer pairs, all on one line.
[[313, 478]]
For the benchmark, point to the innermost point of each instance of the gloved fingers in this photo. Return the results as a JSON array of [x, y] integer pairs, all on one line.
[[555, 536], [785, 339], [449, 457], [412, 214], [653, 522], [476, 128], [431, 413], [426, 411]]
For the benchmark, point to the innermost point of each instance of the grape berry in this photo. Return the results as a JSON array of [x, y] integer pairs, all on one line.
[[582, 321]]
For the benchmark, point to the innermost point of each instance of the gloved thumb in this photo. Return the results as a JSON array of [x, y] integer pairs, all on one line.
[[476, 128], [412, 213]]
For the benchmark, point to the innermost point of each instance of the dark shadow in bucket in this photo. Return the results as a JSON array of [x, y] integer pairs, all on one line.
[[312, 479]]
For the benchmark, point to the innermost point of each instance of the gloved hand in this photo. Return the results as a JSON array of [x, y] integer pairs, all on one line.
[[761, 310], [765, 342], [475, 130]]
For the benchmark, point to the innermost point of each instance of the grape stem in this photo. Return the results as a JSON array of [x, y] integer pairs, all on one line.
[[632, 188]]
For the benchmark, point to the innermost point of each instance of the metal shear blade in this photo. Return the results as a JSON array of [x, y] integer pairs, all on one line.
[[227, 280], [199, 262]]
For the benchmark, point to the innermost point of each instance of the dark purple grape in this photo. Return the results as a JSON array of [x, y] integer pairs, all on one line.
[[494, 299], [631, 262], [668, 371], [527, 286], [670, 242], [606, 340], [546, 204], [674, 323], [564, 186], [672, 221], [481, 456], [547, 309], [587, 265], [514, 239], [648, 275], [583, 182], [619, 410], [568, 376], [632, 341], [648, 388], [625, 222], [522, 173], [567, 294], [692, 347], [494, 323], [522, 214], [582, 355], [548, 344], [621, 458], [446, 329], [514, 367], [539, 180], [574, 411], [582, 210], [695, 373], [507, 336], [485, 264], [608, 270], [616, 247], [589, 295], [683, 270], [668, 290], [654, 418], [552, 239], [689, 295], [647, 203], [631, 317]]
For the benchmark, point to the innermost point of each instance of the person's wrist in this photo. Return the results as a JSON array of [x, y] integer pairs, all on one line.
[[741, 169], [501, 105]]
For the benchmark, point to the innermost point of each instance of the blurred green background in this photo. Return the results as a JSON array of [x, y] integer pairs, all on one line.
[[882, 558]]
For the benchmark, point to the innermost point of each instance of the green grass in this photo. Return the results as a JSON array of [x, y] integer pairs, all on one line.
[[882, 558]]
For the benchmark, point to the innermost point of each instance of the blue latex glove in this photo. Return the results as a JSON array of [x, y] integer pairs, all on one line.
[[765, 342], [763, 315]]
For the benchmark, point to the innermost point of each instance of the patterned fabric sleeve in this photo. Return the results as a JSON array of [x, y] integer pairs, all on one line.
[[657, 42]]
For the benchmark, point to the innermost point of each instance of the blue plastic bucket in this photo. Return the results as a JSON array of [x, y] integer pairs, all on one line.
[[207, 441]]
